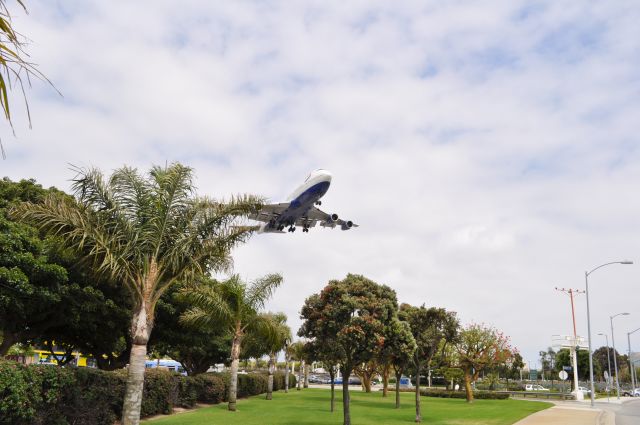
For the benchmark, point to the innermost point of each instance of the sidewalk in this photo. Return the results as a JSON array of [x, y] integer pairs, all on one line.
[[570, 413]]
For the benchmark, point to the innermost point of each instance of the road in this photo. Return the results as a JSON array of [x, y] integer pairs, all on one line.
[[628, 413]]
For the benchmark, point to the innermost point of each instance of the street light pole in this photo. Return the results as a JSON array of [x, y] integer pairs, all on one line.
[[586, 281], [633, 369], [608, 365], [615, 360]]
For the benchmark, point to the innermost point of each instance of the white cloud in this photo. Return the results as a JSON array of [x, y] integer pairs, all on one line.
[[488, 150]]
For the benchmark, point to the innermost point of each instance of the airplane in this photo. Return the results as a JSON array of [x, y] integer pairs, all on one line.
[[300, 210]]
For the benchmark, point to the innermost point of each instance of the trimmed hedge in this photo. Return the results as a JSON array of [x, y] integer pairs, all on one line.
[[38, 394], [478, 395]]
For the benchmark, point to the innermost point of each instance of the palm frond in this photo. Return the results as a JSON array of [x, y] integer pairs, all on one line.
[[262, 289]]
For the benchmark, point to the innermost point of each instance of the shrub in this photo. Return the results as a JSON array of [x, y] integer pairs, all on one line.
[[210, 388], [38, 394], [486, 395], [252, 384]]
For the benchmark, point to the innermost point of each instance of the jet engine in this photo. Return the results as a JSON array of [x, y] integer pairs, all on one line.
[[347, 225], [334, 217]]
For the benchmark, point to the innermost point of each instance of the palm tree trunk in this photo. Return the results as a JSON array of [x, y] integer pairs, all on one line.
[[301, 368], [233, 385], [398, 377], [141, 326], [272, 366], [286, 374], [306, 375]]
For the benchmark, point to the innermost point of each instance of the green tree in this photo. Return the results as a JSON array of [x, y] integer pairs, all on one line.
[[232, 304], [430, 327], [32, 287], [271, 339], [195, 347], [563, 358], [398, 351], [147, 233], [298, 353], [355, 311], [480, 347]]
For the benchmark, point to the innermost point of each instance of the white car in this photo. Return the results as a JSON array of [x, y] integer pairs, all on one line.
[[534, 387], [584, 390], [629, 393]]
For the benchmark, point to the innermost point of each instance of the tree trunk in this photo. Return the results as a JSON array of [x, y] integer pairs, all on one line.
[[385, 379], [418, 413], [8, 339], [141, 326], [366, 382], [233, 385], [272, 366], [398, 377], [332, 375], [286, 373], [306, 375], [345, 397], [300, 370], [467, 386]]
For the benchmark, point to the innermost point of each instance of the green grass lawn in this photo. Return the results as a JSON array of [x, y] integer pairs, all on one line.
[[311, 406]]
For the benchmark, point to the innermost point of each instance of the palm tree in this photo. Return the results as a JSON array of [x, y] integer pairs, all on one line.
[[145, 232], [15, 63], [277, 339], [233, 304], [298, 353]]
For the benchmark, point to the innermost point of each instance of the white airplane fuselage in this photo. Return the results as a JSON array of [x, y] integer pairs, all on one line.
[[306, 196]]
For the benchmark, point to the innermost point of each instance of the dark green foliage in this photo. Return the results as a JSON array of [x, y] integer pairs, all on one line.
[[251, 384], [210, 388], [38, 394], [483, 395]]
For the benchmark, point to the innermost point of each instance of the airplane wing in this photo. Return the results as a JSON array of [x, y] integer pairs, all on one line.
[[269, 212], [328, 220]]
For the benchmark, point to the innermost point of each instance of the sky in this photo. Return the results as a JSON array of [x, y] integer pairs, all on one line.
[[488, 150]]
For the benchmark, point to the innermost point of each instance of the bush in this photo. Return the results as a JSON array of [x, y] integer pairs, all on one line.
[[251, 384], [479, 395], [210, 388], [37, 394]]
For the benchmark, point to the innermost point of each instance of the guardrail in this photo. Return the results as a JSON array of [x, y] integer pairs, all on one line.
[[540, 394]]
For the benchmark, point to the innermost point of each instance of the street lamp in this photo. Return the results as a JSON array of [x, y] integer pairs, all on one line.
[[586, 281], [633, 369], [608, 365], [615, 360]]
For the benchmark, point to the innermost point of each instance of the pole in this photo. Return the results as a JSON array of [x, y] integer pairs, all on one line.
[[615, 360], [608, 367], [633, 381], [593, 390], [574, 358], [634, 378]]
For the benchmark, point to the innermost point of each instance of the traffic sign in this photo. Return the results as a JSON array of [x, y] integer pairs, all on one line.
[[564, 375]]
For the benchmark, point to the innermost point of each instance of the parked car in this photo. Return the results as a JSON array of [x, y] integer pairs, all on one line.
[[534, 387], [630, 393], [584, 390]]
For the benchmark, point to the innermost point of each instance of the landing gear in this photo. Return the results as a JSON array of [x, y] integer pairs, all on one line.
[[305, 229], [318, 202], [292, 229]]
